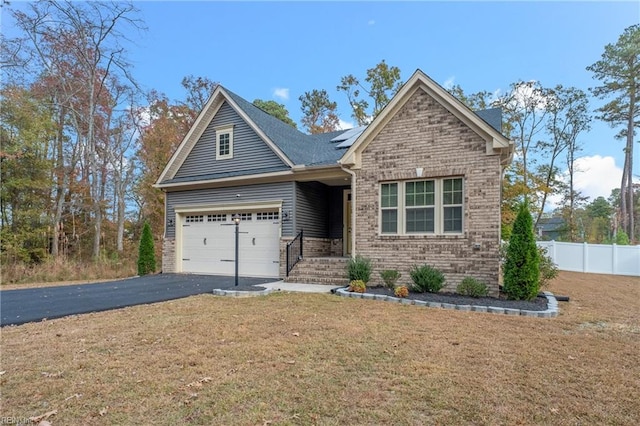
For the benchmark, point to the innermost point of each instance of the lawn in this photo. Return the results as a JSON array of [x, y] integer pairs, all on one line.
[[322, 359]]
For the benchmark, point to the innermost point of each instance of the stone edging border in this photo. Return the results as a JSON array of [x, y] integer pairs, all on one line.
[[550, 312], [238, 293]]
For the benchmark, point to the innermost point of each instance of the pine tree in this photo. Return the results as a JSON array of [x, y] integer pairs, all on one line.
[[146, 253], [521, 271]]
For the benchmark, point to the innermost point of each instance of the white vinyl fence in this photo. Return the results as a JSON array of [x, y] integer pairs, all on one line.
[[594, 258]]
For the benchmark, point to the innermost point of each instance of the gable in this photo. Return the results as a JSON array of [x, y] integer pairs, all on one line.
[[496, 142], [250, 152], [423, 131]]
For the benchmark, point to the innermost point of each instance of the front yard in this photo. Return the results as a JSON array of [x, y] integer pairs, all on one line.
[[322, 359]]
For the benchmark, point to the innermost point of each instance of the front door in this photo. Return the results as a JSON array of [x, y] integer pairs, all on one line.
[[346, 233]]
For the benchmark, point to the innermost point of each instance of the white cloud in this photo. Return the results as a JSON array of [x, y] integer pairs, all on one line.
[[448, 84], [344, 125], [281, 93], [595, 176], [371, 22]]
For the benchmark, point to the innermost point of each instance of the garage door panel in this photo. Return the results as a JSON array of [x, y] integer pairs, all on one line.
[[208, 244]]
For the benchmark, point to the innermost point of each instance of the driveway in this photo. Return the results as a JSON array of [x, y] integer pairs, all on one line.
[[35, 304]]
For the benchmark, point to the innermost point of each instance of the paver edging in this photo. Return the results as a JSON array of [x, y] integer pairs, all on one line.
[[238, 293], [550, 312]]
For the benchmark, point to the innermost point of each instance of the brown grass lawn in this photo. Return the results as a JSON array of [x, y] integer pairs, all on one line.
[[322, 359]]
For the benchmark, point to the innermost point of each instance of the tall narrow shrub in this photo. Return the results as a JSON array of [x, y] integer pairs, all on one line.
[[521, 270], [146, 252]]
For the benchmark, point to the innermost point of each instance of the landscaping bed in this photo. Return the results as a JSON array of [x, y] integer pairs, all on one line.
[[537, 304]]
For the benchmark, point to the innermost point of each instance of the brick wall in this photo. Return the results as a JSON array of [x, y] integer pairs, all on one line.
[[424, 134], [168, 255]]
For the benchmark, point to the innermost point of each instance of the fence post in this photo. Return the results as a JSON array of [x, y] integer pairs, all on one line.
[[553, 251], [585, 257], [614, 258]]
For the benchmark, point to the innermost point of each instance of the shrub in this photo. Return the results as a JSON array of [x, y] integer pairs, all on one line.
[[146, 252], [401, 291], [359, 268], [472, 288], [390, 277], [426, 279], [357, 286], [548, 269], [521, 273]]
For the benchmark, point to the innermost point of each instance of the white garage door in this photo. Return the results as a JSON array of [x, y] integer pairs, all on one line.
[[208, 244]]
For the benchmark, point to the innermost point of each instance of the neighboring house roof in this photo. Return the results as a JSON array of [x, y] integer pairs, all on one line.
[[298, 149], [549, 224]]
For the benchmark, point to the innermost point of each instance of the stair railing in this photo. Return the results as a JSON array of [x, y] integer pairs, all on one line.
[[294, 252]]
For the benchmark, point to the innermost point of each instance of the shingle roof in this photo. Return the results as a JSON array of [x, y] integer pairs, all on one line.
[[319, 149], [492, 116], [300, 148]]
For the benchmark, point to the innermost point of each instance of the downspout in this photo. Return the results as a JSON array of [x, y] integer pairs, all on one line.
[[353, 203]]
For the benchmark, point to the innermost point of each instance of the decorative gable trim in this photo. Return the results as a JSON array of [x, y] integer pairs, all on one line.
[[203, 120], [497, 143]]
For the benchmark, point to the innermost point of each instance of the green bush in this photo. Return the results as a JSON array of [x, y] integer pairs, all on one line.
[[548, 269], [426, 279], [357, 286], [472, 288], [146, 252], [359, 268], [521, 267], [390, 277]]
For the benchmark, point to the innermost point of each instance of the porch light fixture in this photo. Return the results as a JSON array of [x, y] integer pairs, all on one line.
[[236, 219]]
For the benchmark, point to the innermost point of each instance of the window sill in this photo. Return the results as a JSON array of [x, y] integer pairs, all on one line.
[[422, 236]]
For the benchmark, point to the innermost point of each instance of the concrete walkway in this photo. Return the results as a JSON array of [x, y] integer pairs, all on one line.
[[305, 288]]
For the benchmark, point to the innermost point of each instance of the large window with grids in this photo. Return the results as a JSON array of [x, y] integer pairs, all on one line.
[[430, 206]]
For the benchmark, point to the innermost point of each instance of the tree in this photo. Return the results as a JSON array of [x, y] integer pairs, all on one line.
[[476, 101], [146, 252], [275, 109], [568, 117], [319, 112], [383, 83], [199, 90], [521, 268], [525, 109], [619, 72], [78, 46]]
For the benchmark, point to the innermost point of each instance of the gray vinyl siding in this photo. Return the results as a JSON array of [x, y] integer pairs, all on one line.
[[250, 152], [312, 209], [249, 193], [336, 211]]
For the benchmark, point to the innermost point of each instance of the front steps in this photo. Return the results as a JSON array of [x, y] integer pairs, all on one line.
[[320, 270]]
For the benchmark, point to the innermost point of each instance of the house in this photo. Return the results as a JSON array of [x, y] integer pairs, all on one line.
[[420, 184], [550, 228]]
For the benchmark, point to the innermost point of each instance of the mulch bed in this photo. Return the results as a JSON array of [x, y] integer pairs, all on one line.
[[537, 304]]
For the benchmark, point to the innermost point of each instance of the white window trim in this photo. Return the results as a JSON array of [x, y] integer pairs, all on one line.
[[223, 130], [439, 208]]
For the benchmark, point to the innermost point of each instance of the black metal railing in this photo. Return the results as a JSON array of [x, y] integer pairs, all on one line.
[[294, 252]]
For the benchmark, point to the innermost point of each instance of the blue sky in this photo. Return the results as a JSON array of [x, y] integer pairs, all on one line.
[[279, 50]]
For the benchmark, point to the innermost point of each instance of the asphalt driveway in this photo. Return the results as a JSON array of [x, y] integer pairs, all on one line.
[[35, 304]]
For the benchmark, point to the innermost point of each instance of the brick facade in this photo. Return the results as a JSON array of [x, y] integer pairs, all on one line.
[[168, 255], [425, 134]]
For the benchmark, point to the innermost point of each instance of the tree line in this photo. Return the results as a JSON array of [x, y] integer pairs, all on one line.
[[82, 144]]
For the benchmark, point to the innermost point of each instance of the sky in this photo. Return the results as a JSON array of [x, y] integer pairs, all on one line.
[[279, 50]]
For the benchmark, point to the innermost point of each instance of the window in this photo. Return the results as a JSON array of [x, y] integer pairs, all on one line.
[[217, 218], [452, 205], [224, 142], [194, 219], [389, 208], [422, 207], [244, 217], [267, 216]]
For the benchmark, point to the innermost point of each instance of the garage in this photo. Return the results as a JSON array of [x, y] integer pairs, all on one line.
[[208, 243]]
